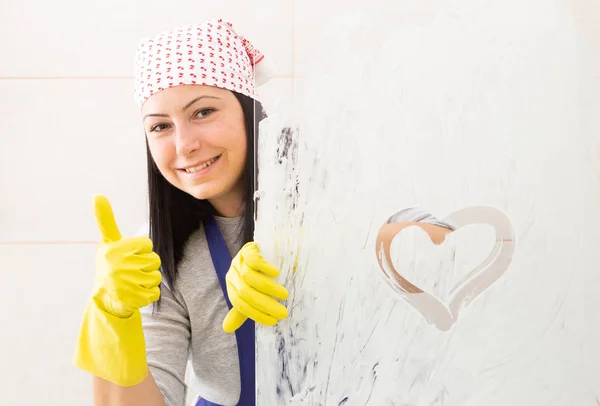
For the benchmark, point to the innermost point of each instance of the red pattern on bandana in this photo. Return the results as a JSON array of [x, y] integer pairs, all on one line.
[[211, 53]]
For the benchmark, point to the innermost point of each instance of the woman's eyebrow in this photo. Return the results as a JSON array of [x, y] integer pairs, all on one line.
[[155, 115]]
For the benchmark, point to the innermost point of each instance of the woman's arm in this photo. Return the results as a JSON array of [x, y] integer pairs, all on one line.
[[167, 339], [145, 393]]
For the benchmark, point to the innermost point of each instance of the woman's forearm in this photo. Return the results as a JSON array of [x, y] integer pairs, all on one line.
[[146, 393]]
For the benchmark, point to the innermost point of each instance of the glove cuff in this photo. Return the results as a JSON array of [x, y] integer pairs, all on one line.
[[112, 348]]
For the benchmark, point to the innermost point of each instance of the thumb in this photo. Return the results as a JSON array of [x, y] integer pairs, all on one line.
[[233, 320], [106, 219]]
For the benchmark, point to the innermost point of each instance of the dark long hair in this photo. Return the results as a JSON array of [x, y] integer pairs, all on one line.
[[174, 214]]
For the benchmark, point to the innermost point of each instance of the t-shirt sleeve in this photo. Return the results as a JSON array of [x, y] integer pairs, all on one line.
[[418, 215], [167, 334]]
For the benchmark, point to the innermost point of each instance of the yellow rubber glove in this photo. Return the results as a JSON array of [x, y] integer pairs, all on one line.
[[111, 340], [251, 290]]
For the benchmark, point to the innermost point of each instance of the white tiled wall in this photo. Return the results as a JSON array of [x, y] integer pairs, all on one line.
[[70, 129]]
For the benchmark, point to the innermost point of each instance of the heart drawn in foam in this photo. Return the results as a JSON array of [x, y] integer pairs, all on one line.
[[481, 277]]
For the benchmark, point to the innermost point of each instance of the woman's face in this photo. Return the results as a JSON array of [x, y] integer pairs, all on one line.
[[197, 138]]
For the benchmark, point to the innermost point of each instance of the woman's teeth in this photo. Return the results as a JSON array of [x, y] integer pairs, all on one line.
[[204, 165]]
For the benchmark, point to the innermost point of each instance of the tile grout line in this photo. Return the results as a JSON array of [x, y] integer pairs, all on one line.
[[64, 77], [293, 58], [38, 243], [293, 38], [93, 77]]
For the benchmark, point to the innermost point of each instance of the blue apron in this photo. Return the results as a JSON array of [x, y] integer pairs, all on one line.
[[245, 334]]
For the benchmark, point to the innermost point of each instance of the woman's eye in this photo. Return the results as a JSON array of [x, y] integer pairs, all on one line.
[[204, 112], [158, 128]]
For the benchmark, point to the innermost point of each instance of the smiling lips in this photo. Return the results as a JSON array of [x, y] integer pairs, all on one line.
[[201, 166]]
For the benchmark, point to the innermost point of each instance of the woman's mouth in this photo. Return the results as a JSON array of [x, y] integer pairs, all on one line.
[[202, 168]]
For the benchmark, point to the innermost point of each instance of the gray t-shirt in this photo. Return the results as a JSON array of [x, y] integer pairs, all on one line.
[[189, 324]]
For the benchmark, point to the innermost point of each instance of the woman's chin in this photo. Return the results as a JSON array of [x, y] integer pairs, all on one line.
[[205, 191], [201, 193]]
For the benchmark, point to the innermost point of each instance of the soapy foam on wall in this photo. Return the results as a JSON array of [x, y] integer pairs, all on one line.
[[480, 105]]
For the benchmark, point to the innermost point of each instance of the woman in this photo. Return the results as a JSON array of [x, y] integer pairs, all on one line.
[[175, 293]]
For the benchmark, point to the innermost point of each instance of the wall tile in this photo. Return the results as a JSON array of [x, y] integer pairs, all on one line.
[[71, 38], [276, 95], [65, 141], [317, 23], [45, 291]]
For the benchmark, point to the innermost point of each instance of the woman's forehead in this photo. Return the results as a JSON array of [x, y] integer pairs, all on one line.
[[179, 97]]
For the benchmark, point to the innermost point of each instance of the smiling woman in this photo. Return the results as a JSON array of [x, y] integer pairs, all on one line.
[[174, 292]]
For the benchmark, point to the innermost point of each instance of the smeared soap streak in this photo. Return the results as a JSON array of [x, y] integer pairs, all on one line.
[[441, 113]]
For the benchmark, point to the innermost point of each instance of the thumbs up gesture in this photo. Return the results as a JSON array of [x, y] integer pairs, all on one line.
[[111, 338], [127, 270]]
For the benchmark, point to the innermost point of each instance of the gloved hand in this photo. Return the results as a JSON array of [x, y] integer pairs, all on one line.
[[250, 290], [111, 340]]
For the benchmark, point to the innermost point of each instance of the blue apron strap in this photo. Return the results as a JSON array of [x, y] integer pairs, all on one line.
[[245, 334]]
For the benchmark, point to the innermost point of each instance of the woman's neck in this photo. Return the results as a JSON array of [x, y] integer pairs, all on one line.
[[230, 204]]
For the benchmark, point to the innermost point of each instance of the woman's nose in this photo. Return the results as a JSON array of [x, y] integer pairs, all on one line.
[[186, 140]]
